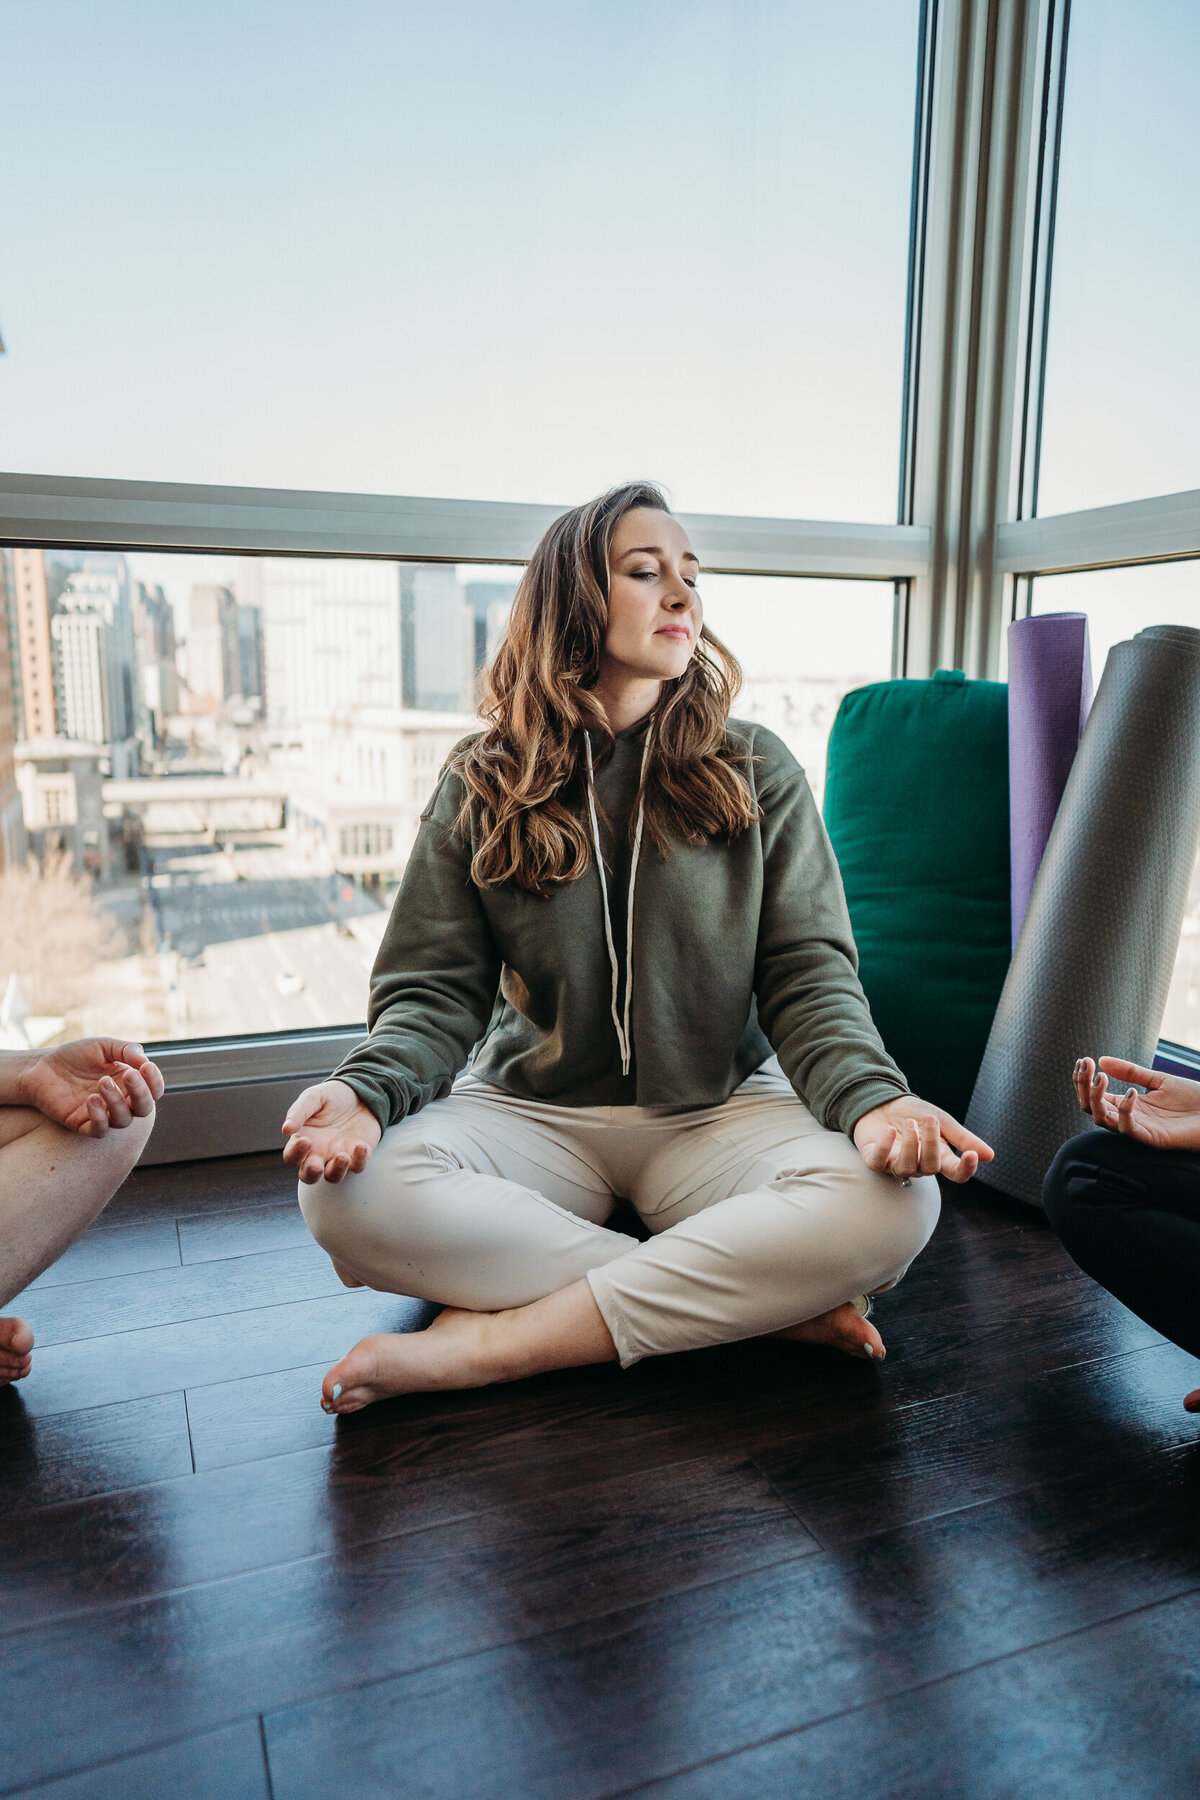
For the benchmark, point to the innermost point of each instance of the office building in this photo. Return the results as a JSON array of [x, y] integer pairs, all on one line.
[[438, 656], [214, 671], [250, 655], [33, 664], [95, 655]]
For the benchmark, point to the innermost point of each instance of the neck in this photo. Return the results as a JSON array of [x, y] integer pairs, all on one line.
[[627, 700]]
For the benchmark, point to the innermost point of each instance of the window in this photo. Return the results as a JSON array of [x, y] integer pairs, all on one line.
[[356, 267], [1123, 378]]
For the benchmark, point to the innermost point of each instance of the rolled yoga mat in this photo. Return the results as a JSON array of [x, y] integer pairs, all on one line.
[[1049, 693], [1092, 966]]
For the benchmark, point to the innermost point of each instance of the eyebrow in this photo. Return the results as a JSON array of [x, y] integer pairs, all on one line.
[[657, 550]]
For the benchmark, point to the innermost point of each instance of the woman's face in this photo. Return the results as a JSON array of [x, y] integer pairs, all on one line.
[[654, 611]]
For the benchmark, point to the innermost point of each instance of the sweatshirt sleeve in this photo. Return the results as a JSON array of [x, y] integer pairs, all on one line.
[[434, 982], [810, 1001]]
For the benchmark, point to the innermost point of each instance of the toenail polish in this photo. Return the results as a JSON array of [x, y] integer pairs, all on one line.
[[337, 1391], [870, 1349]]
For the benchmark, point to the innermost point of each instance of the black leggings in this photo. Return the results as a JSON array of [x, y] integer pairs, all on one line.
[[1130, 1216]]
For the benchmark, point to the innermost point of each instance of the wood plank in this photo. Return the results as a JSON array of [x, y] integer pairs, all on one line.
[[129, 1365], [112, 1680], [243, 1231], [96, 1309], [599, 1708], [1108, 1714], [119, 1250], [222, 1765], [851, 1470], [79, 1455], [215, 1185]]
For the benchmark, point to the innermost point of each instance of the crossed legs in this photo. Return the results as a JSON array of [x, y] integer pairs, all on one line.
[[494, 1207]]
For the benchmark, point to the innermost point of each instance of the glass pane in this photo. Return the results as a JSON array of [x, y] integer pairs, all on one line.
[[1123, 377], [802, 646], [1118, 603], [222, 763], [504, 252]]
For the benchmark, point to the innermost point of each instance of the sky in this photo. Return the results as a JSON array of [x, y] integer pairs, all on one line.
[[523, 251], [498, 252]]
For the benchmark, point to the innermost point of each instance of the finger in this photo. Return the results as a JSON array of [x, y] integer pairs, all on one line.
[[1083, 1082], [301, 1110], [153, 1077], [1096, 1093], [907, 1152], [312, 1169], [878, 1155], [930, 1155], [358, 1157], [336, 1167], [137, 1092], [97, 1117], [1126, 1121], [114, 1098], [958, 1168], [1120, 1070], [962, 1139], [295, 1151]]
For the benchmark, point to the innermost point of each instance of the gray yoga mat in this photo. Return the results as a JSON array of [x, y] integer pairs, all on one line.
[[1093, 963]]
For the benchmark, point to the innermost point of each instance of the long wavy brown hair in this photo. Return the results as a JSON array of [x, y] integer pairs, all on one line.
[[525, 776]]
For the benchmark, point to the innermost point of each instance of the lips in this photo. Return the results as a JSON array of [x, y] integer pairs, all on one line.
[[674, 631]]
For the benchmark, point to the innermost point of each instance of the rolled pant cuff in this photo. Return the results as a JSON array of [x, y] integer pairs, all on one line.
[[602, 1294]]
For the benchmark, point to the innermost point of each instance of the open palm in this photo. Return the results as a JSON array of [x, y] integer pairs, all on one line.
[[1167, 1115], [330, 1133], [94, 1085]]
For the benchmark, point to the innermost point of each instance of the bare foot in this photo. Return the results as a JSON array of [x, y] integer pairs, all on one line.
[[450, 1353], [16, 1342], [843, 1328], [1191, 1402]]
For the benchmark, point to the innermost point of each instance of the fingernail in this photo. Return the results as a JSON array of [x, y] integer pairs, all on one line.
[[337, 1392], [325, 1406]]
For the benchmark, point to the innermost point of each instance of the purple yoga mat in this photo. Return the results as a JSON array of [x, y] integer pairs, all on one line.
[[1049, 694]]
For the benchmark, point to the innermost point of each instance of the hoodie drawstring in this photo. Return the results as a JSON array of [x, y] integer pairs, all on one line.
[[623, 1026]]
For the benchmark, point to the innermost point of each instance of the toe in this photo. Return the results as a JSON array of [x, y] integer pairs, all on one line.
[[16, 1337], [1192, 1401]]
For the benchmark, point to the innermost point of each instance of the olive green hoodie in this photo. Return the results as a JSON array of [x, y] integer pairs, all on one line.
[[740, 947]]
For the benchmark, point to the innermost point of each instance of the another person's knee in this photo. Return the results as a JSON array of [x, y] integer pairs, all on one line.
[[1095, 1168]]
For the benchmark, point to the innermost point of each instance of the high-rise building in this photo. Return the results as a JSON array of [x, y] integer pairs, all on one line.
[[330, 635], [214, 673], [158, 681], [34, 661], [12, 836], [437, 657], [491, 604], [250, 651], [95, 658]]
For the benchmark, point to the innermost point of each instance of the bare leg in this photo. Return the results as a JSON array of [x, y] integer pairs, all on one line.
[[53, 1183], [469, 1349]]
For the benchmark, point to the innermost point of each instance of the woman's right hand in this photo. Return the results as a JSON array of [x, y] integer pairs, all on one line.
[[1167, 1115], [330, 1133]]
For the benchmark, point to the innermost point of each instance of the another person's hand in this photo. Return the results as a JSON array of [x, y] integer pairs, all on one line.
[[330, 1133], [909, 1137], [1167, 1115], [93, 1085]]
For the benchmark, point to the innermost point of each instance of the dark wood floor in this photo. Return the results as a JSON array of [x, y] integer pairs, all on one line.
[[759, 1572]]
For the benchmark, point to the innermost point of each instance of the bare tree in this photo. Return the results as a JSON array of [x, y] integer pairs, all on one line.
[[52, 933]]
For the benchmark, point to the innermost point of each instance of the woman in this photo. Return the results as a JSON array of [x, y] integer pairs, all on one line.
[[1126, 1200], [631, 900]]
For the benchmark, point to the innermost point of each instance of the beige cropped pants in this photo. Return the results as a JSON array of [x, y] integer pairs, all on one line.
[[759, 1217]]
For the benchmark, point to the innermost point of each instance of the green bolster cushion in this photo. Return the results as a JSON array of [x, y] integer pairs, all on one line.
[[916, 804]]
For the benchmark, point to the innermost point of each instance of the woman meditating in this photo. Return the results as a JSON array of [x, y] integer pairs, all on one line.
[[624, 901]]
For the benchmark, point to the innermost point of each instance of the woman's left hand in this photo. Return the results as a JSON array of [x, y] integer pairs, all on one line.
[[910, 1137]]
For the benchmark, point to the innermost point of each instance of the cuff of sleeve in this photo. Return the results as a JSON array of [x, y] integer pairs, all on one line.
[[370, 1093], [851, 1106]]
